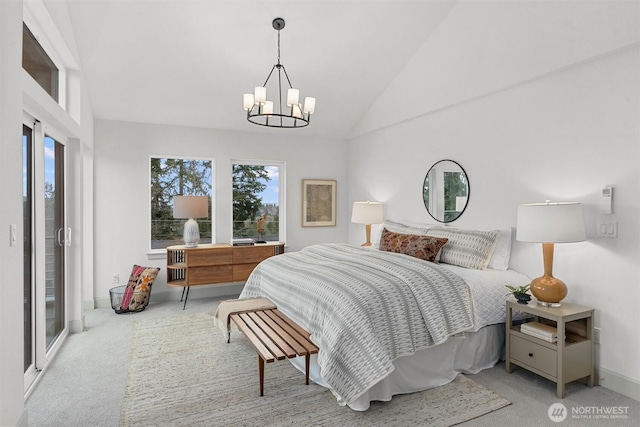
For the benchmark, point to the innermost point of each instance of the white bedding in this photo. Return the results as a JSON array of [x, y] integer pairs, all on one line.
[[488, 291], [300, 291]]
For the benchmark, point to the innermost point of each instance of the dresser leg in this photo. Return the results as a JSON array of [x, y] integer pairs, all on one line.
[[185, 298]]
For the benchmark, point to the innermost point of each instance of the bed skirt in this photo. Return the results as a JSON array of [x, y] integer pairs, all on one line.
[[468, 353]]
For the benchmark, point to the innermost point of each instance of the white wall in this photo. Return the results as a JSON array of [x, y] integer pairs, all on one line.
[[12, 410], [19, 92], [122, 152], [560, 135]]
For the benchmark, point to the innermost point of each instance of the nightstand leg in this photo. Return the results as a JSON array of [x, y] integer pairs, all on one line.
[[560, 390], [508, 367]]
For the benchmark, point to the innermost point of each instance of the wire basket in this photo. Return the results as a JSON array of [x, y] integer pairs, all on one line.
[[134, 302]]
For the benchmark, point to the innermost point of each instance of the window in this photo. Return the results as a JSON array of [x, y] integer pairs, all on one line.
[[172, 177], [455, 194], [38, 64], [258, 200]]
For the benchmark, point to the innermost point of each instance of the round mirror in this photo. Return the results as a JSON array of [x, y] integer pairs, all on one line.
[[446, 191]]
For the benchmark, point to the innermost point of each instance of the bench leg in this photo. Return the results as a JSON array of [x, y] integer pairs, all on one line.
[[307, 359], [261, 374]]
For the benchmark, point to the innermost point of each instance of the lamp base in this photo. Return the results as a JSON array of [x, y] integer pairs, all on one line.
[[550, 304], [191, 234], [548, 290], [367, 229]]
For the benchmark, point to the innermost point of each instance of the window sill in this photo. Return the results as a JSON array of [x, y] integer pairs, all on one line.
[[157, 254]]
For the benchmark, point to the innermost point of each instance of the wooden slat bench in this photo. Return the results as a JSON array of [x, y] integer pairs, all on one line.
[[275, 337]]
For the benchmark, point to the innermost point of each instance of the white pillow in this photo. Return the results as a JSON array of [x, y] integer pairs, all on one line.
[[406, 228], [502, 252], [466, 248]]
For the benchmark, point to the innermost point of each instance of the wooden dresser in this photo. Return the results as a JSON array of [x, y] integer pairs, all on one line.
[[215, 263]]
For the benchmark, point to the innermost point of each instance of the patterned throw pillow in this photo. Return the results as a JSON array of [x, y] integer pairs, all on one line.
[[423, 247], [466, 248], [136, 295]]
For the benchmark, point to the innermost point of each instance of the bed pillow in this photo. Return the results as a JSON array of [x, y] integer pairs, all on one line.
[[423, 247], [406, 228], [466, 248], [138, 290], [142, 291], [502, 252], [403, 227]]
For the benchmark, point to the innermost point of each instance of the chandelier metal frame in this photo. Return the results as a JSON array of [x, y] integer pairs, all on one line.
[[261, 112]]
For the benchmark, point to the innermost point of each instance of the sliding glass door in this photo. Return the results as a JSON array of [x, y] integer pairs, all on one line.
[[45, 239]]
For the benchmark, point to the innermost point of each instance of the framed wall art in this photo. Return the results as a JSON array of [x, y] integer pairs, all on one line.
[[318, 203]]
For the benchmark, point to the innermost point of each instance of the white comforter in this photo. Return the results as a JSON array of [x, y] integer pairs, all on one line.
[[363, 308]]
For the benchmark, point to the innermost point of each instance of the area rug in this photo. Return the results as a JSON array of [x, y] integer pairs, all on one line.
[[183, 373]]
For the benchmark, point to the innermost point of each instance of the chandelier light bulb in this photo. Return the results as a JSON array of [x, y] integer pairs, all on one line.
[[268, 107], [260, 95], [296, 111], [293, 95], [309, 105], [248, 101]]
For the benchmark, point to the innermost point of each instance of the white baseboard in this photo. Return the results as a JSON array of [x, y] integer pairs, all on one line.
[[76, 326], [24, 419], [618, 383], [231, 290]]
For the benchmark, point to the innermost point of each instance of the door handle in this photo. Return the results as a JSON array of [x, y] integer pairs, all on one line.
[[59, 240]]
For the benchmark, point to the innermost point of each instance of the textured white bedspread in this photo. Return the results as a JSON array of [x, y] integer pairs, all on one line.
[[488, 292], [363, 308]]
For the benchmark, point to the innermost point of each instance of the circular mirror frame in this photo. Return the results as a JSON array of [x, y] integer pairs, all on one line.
[[426, 201]]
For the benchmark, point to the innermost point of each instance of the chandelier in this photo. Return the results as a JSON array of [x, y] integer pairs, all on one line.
[[261, 112]]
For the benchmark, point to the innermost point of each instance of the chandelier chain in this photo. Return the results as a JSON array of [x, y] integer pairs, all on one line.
[[278, 47]]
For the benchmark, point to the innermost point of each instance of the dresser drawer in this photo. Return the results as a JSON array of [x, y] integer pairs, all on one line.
[[534, 355]]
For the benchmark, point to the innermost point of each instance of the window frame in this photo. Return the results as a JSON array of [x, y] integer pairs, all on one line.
[[163, 251], [281, 165], [48, 47]]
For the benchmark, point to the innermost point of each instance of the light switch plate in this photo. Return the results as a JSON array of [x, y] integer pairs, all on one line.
[[608, 229]]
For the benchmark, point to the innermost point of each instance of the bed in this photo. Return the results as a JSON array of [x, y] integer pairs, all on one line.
[[386, 322]]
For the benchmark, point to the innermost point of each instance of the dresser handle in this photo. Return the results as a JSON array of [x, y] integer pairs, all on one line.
[[530, 354]]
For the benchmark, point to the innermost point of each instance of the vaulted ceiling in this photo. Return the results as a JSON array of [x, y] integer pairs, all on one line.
[[188, 62]]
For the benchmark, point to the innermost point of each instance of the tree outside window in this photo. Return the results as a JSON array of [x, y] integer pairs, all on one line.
[[455, 186], [256, 201], [172, 177]]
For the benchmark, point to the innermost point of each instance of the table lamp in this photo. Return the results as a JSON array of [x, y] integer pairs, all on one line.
[[549, 223], [367, 213], [190, 207]]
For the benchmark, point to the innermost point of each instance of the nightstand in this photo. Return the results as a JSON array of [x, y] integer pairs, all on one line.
[[562, 361]]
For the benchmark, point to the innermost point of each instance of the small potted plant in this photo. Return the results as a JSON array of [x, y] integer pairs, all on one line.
[[520, 293]]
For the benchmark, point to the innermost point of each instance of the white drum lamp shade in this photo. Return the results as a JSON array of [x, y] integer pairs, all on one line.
[[191, 207], [367, 213], [549, 223]]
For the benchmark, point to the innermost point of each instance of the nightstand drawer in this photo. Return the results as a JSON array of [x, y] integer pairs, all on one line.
[[534, 355]]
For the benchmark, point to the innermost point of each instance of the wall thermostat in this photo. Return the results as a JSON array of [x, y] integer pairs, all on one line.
[[606, 201]]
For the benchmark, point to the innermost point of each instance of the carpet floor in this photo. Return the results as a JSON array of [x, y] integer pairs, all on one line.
[[182, 372]]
